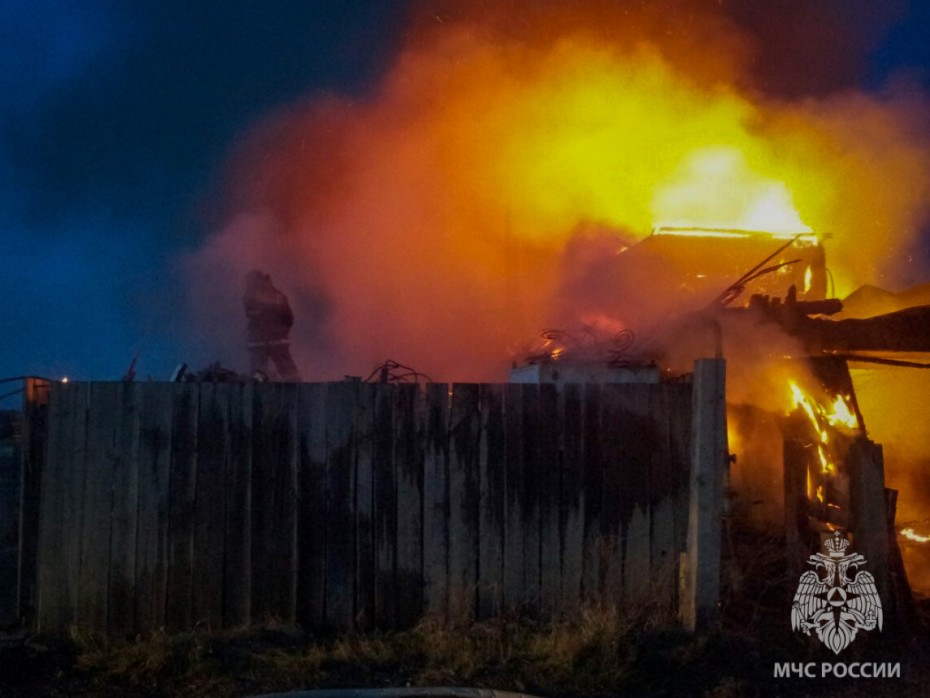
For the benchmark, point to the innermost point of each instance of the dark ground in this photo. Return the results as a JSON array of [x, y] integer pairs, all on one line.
[[603, 652]]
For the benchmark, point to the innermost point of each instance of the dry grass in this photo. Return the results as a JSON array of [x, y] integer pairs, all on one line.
[[590, 654]]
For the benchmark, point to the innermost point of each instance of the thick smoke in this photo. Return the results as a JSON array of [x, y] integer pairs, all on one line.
[[448, 217]]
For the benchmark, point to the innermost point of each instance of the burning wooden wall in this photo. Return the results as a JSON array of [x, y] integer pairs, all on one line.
[[169, 505]]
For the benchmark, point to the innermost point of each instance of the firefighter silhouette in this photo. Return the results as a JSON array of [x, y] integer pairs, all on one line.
[[270, 321]]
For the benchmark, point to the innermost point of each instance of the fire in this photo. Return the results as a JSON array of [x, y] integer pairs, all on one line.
[[838, 413], [716, 188], [427, 218], [911, 535]]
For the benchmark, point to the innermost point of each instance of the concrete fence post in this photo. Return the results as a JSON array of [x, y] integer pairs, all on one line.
[[700, 568]]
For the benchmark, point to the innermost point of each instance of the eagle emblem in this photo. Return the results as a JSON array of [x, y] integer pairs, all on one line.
[[836, 599]]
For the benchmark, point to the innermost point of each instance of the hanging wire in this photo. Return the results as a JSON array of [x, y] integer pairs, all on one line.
[[393, 372]]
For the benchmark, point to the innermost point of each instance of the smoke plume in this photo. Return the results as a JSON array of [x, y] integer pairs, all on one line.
[[447, 217]]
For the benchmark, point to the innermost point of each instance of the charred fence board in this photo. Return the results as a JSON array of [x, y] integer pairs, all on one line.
[[348, 504]]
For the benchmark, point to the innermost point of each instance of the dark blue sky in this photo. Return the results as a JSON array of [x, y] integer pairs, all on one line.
[[117, 116]]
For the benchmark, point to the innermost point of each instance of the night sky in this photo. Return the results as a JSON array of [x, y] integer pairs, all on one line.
[[117, 118]]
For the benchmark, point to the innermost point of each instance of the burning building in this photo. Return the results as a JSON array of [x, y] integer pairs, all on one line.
[[503, 178]]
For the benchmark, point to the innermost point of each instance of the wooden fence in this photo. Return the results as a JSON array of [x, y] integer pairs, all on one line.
[[341, 504]]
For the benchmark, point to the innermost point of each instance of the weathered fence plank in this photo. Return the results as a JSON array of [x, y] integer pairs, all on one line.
[[364, 506], [464, 436], [32, 459], [349, 505], [548, 477], [681, 411], [60, 517], [97, 506], [662, 490], [594, 547], [210, 504], [514, 596], [436, 501], [125, 489], [340, 494], [384, 501], [530, 499], [181, 497], [409, 436], [571, 500], [152, 532], [274, 496], [615, 439], [636, 429], [237, 566], [491, 516], [311, 519]]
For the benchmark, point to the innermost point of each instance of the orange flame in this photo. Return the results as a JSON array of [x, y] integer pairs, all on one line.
[[839, 413]]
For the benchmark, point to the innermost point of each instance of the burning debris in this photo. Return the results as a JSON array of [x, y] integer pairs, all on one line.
[[414, 223]]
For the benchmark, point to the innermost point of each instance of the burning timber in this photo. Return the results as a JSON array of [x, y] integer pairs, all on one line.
[[833, 474]]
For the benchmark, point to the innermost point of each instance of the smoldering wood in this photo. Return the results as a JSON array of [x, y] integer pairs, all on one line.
[[347, 505]]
